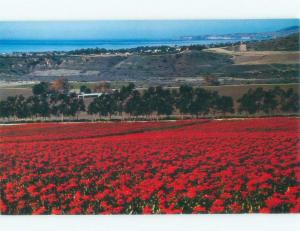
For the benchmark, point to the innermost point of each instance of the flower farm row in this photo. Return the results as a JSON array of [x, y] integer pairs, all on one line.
[[60, 131], [229, 166]]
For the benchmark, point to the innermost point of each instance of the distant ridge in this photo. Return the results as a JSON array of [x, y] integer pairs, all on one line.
[[286, 43], [246, 36], [291, 28]]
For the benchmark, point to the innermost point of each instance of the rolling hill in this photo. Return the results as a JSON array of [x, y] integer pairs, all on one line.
[[268, 61]]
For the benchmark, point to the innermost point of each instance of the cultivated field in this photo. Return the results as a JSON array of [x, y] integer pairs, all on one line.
[[196, 166], [13, 91], [260, 57]]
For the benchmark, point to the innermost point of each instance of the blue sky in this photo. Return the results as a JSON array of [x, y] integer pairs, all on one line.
[[134, 29]]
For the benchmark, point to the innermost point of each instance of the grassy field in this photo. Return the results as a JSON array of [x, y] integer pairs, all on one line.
[[5, 92]]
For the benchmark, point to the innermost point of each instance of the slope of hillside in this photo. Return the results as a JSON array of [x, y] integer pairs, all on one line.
[[288, 43], [97, 67]]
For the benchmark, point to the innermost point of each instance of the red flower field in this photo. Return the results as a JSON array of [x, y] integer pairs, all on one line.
[[200, 166]]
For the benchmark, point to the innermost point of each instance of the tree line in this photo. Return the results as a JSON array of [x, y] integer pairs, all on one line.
[[41, 106], [56, 100], [269, 101], [47, 100]]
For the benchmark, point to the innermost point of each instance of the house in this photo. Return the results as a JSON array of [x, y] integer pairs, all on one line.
[[89, 95]]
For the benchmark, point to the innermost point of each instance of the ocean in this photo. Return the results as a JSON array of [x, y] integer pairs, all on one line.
[[38, 36]]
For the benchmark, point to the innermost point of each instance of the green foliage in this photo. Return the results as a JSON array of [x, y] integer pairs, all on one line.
[[201, 102], [164, 101], [259, 100], [224, 104], [134, 104], [85, 89], [42, 88], [289, 100], [184, 98], [66, 105], [4, 109]]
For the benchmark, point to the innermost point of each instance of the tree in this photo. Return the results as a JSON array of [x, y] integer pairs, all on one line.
[[62, 106], [39, 106], [93, 108], [123, 96], [270, 102], [164, 101], [201, 102], [289, 101], [81, 106], [21, 107], [133, 104], [251, 102], [4, 109], [75, 105], [61, 85], [148, 103], [259, 100], [103, 87], [126, 91], [34, 105], [118, 102], [44, 107], [41, 88], [184, 99], [11, 105], [66, 105], [59, 105], [85, 89], [105, 105], [224, 104]]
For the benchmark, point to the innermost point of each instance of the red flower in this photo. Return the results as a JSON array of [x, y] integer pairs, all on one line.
[[75, 211], [273, 202], [199, 209], [235, 207], [21, 205], [113, 168], [147, 210], [217, 206], [56, 211], [39, 211], [226, 195], [192, 192], [264, 210], [3, 207]]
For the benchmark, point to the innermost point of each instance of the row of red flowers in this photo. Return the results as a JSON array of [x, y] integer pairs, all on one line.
[[56, 131], [241, 166]]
